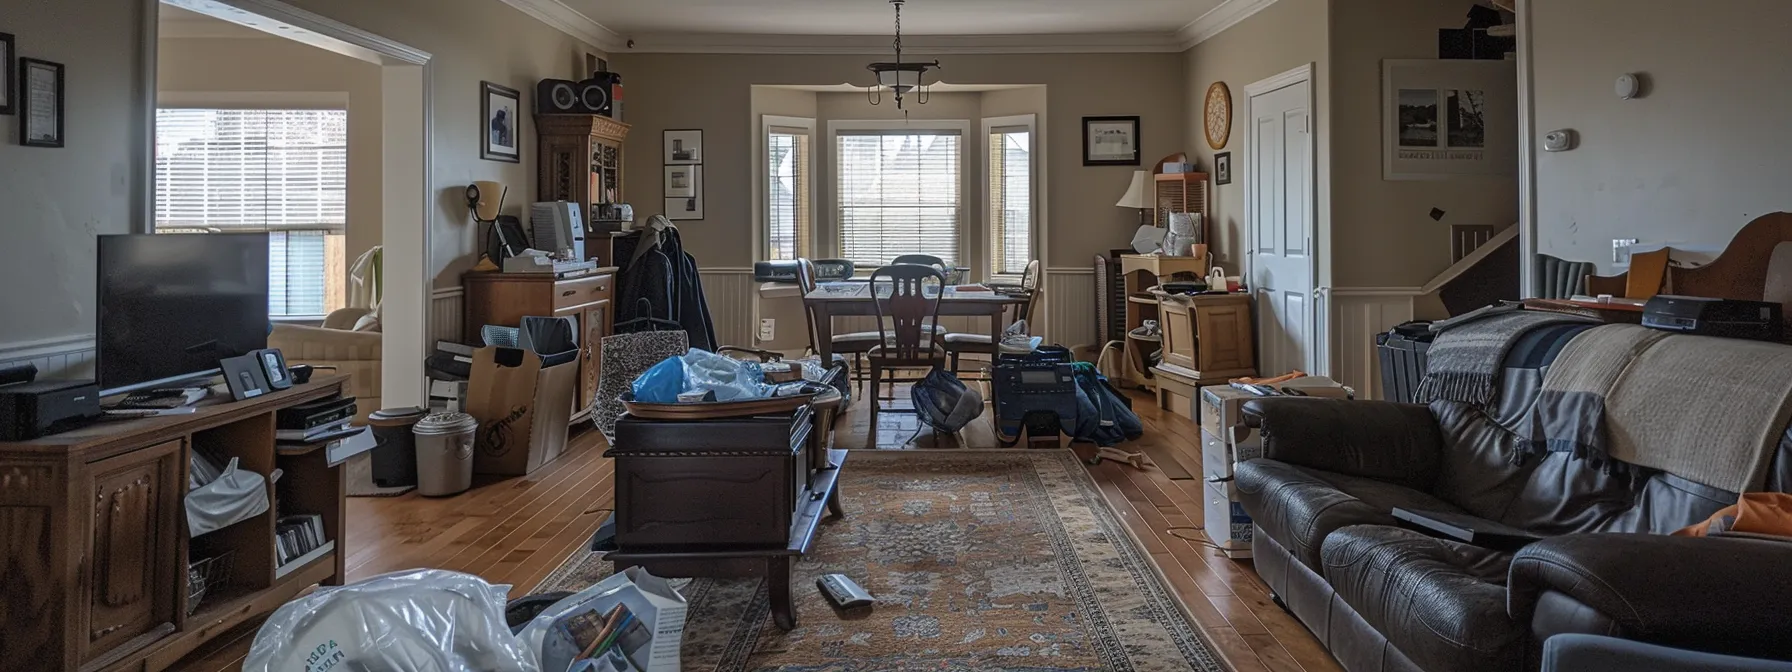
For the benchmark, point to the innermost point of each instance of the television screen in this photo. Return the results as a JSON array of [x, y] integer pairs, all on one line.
[[172, 305]]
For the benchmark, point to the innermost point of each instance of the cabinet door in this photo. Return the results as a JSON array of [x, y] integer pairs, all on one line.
[[596, 326], [132, 564], [1178, 334], [1224, 331]]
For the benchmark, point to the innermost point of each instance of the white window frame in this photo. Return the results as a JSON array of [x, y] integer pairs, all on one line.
[[762, 186], [827, 244], [1036, 234]]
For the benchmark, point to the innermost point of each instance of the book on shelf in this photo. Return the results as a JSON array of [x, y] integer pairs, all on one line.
[[294, 536]]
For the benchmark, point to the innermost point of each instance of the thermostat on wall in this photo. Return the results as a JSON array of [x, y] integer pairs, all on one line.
[[1560, 140], [1627, 86]]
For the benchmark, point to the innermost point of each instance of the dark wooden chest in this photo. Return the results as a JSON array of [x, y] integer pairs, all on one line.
[[732, 482]]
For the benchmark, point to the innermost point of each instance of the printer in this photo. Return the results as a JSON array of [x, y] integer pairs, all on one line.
[[33, 409]]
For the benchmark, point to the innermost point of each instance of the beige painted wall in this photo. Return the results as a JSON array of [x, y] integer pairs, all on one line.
[[469, 41], [713, 92], [1382, 233], [220, 67], [1703, 151], [1283, 36], [57, 200]]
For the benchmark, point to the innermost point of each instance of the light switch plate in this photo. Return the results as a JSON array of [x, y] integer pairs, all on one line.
[[767, 327], [1560, 140], [1621, 250]]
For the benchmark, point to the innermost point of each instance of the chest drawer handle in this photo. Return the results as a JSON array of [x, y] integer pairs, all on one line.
[[569, 292]]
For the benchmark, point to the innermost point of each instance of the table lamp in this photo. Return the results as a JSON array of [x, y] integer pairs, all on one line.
[[485, 199], [1140, 195]]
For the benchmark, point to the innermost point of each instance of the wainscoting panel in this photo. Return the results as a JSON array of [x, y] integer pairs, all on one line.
[[65, 357], [1069, 307], [446, 314], [1359, 314], [729, 293]]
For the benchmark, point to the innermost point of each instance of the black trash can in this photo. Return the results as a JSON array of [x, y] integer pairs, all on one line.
[[1403, 360], [395, 451]]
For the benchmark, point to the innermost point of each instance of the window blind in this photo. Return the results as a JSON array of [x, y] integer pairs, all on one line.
[[787, 192], [280, 171], [1010, 201], [251, 170], [898, 193]]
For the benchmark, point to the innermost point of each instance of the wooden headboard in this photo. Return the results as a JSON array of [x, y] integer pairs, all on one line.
[[1740, 272]]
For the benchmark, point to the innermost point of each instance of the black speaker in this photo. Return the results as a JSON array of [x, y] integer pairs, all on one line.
[[557, 96], [594, 97]]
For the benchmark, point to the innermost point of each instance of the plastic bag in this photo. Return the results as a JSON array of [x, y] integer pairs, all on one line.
[[729, 378], [661, 383], [234, 496], [425, 620]]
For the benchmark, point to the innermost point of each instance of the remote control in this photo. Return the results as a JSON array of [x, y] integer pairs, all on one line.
[[843, 592]]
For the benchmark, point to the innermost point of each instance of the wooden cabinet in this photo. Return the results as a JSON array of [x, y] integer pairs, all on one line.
[[1207, 340], [94, 564], [506, 298], [1138, 274]]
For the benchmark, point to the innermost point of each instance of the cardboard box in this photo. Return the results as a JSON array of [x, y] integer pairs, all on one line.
[[523, 408]]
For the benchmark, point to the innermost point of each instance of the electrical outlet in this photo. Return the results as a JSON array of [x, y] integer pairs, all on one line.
[[767, 327], [1621, 250]]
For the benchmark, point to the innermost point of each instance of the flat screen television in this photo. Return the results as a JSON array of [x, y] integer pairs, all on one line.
[[172, 305]]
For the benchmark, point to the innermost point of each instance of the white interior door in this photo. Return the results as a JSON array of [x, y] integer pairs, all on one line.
[[1279, 184]]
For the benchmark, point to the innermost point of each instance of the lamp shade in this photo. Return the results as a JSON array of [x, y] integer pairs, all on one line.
[[1139, 195]]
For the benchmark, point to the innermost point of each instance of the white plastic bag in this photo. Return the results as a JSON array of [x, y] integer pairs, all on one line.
[[425, 620], [650, 611], [234, 496]]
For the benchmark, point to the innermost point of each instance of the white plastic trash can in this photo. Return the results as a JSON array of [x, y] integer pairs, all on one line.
[[445, 453]]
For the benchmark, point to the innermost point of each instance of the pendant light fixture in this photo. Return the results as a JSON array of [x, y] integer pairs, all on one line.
[[899, 77]]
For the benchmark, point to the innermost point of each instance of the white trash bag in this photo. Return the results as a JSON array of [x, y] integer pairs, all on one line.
[[425, 620]]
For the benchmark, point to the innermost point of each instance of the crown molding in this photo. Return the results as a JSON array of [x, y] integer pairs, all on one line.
[[570, 21], [926, 46], [1218, 19]]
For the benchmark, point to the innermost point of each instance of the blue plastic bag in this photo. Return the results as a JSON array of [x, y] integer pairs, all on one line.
[[731, 379], [662, 383]]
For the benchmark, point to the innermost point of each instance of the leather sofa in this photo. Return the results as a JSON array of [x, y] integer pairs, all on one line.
[[1384, 597]]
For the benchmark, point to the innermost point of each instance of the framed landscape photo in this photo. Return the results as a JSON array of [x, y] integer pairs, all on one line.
[[41, 98], [1110, 141], [499, 107], [8, 102], [684, 147], [1447, 119]]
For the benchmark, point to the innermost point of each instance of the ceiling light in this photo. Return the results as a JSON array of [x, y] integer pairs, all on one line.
[[899, 77]]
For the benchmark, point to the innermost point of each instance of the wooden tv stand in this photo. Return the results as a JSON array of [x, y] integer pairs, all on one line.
[[94, 569]]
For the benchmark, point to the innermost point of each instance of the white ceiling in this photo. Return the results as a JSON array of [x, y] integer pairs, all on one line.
[[874, 17]]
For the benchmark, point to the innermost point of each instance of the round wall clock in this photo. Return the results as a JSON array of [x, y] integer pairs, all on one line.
[[1218, 115]]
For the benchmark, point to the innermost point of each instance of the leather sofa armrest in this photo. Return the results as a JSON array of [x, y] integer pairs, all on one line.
[[1396, 443], [1718, 594]]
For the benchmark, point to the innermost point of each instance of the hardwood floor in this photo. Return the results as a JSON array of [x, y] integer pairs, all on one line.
[[518, 530]]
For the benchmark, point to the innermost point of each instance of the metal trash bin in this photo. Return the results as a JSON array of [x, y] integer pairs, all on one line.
[[395, 453], [1403, 359], [445, 453]]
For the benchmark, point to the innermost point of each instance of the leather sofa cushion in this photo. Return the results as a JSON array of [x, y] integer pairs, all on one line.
[[1298, 507], [1441, 603]]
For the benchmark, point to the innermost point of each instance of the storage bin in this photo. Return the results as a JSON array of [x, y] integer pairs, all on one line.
[[1403, 361]]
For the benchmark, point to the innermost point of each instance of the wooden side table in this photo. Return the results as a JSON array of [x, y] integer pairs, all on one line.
[[1139, 273], [1207, 341]]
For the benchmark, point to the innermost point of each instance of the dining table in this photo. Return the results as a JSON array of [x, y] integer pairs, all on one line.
[[853, 298]]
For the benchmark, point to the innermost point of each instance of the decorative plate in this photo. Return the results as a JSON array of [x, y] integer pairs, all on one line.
[[1218, 115]]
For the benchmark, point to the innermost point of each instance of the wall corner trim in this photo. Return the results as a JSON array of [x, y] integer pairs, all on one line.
[[572, 22], [1228, 14]]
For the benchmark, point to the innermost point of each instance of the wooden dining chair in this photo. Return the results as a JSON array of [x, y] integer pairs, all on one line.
[[960, 344], [906, 319], [854, 344], [922, 259]]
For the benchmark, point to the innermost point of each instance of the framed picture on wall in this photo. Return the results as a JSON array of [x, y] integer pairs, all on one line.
[[1110, 141], [684, 146], [1222, 168], [7, 103], [41, 97], [502, 129], [684, 192], [1446, 119]]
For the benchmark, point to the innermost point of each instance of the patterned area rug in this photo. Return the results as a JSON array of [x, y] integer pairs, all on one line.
[[980, 560]]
